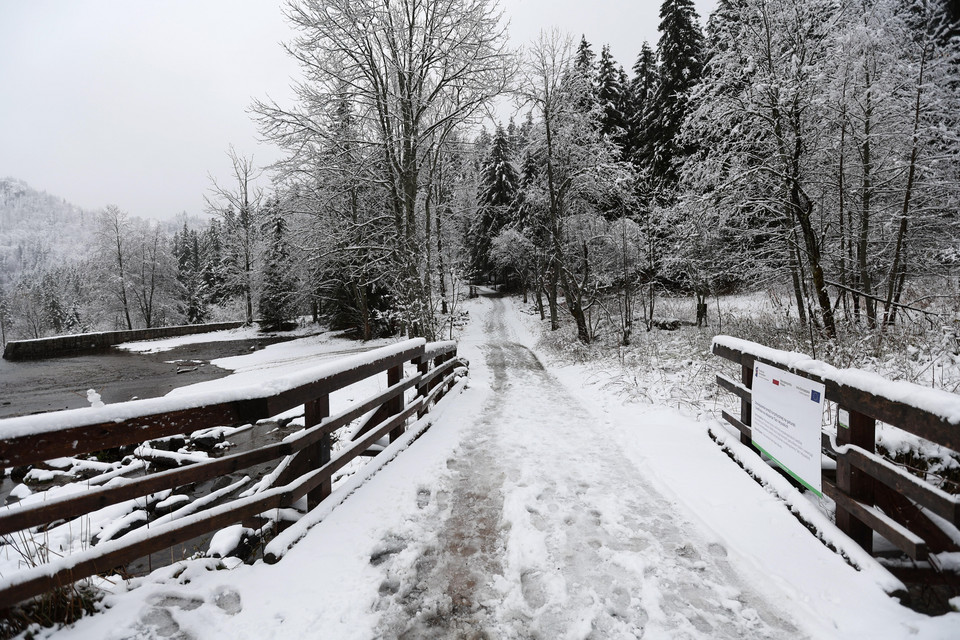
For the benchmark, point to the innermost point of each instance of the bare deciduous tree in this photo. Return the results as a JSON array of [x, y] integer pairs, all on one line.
[[238, 204], [413, 71]]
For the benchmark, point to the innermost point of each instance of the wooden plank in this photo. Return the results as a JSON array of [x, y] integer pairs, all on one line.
[[916, 421], [734, 387], [14, 518], [295, 397], [423, 367], [30, 449], [912, 517], [925, 575], [439, 371], [88, 438], [440, 390], [827, 446], [904, 539], [441, 348], [395, 405], [32, 582], [90, 562], [746, 407], [928, 497], [742, 428], [727, 353], [854, 482]]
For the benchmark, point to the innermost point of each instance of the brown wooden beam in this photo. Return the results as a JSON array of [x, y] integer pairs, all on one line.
[[904, 539], [853, 482], [912, 419]]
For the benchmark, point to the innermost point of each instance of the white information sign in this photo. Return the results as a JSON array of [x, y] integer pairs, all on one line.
[[787, 413]]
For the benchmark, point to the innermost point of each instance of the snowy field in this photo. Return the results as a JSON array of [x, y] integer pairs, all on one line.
[[543, 504]]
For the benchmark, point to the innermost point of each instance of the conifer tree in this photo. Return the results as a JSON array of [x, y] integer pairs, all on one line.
[[186, 252], [680, 64], [585, 65], [610, 92], [498, 189], [276, 298], [640, 94]]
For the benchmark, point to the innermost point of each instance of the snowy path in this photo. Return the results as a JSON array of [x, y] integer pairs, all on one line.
[[551, 533], [538, 506]]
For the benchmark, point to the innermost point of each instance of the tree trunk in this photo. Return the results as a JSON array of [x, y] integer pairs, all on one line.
[[440, 269], [893, 291], [796, 279], [866, 284]]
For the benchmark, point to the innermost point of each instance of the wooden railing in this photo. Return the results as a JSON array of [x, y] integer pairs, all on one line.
[[307, 472], [870, 492]]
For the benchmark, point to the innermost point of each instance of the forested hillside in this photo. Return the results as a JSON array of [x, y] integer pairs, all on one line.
[[36, 228], [67, 270]]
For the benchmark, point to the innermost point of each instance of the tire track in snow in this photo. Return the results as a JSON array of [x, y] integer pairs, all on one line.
[[549, 532]]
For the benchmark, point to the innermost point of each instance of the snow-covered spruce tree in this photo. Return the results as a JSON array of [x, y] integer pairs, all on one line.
[[638, 96], [585, 65], [186, 251], [680, 62], [499, 181], [610, 96], [276, 295], [416, 71], [214, 268]]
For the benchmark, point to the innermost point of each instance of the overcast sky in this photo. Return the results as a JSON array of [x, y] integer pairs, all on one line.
[[135, 102]]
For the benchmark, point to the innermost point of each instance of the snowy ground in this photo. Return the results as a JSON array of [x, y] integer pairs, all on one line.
[[538, 506]]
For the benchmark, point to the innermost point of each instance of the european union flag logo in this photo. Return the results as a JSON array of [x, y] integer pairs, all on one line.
[[815, 396]]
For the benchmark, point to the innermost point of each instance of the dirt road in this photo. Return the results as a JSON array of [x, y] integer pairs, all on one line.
[[550, 532]]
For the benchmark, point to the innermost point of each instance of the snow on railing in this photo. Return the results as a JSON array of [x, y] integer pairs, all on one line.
[[304, 462], [871, 493], [937, 402]]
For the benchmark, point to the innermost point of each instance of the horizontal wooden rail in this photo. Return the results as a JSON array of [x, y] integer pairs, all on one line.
[[871, 494], [126, 423], [14, 518], [28, 440], [904, 539], [939, 502], [916, 420]]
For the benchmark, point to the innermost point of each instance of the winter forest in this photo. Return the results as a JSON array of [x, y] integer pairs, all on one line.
[[806, 147]]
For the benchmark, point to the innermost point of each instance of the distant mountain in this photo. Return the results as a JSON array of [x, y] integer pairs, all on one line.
[[37, 228]]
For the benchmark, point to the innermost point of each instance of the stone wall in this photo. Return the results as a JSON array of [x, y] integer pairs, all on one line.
[[90, 342]]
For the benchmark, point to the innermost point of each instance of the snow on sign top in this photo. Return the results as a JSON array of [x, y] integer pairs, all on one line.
[[118, 412], [940, 403]]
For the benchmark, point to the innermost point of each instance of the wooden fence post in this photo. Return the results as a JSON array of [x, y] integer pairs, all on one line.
[[862, 432], [314, 456], [395, 405], [423, 367], [746, 409], [314, 413]]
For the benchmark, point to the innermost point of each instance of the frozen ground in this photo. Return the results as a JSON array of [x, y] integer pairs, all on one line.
[[538, 506]]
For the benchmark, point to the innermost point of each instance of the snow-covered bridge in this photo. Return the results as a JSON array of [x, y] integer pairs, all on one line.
[[538, 506]]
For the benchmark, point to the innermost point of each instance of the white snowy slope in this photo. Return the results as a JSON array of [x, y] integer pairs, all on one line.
[[536, 506]]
